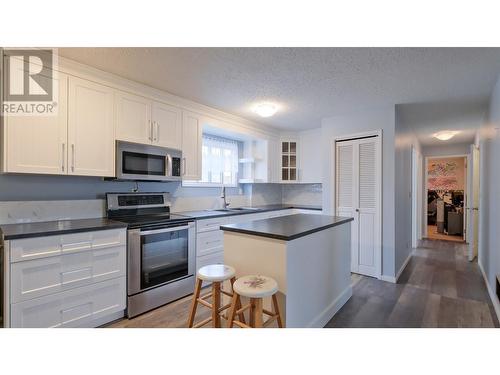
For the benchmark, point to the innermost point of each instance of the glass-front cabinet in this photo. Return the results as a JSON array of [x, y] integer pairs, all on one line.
[[289, 167]]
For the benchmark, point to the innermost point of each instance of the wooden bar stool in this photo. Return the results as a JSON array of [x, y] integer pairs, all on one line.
[[216, 274], [256, 288]]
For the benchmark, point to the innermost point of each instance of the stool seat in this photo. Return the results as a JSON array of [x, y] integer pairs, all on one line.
[[216, 272], [255, 286]]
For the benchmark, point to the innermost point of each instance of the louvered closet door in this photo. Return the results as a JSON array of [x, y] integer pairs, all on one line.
[[345, 188], [367, 206], [358, 188]]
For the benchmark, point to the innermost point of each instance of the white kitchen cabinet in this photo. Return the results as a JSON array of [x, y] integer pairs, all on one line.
[[192, 130], [40, 277], [167, 125], [67, 280], [90, 129], [38, 144], [289, 160], [141, 120], [79, 307], [133, 118]]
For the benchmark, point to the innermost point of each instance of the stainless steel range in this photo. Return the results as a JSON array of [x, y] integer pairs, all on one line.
[[160, 249]]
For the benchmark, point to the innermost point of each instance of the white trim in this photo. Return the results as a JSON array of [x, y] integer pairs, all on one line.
[[394, 279], [378, 133], [491, 292], [329, 312]]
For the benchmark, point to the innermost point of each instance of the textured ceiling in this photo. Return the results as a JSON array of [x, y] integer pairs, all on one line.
[[426, 119], [308, 83]]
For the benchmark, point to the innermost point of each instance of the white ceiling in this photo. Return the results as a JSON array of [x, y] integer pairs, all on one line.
[[426, 119], [308, 83]]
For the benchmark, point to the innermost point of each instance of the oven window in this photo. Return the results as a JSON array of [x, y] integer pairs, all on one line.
[[147, 164], [164, 257]]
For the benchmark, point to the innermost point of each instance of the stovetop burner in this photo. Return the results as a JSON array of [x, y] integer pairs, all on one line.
[[139, 209]]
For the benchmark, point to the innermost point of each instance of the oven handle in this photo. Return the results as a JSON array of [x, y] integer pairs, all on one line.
[[165, 230]]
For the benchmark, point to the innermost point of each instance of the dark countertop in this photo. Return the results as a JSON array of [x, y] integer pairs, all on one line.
[[207, 214], [48, 228], [287, 228]]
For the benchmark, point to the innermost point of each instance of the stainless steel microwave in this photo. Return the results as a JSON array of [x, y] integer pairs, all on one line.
[[139, 162]]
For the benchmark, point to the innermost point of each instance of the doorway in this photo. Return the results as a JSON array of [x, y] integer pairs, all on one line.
[[445, 194]]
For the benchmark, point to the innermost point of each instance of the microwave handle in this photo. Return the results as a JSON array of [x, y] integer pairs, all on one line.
[[168, 171]]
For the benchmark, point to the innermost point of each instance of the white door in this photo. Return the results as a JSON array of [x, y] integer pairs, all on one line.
[[473, 203], [36, 144], [133, 118], [90, 129], [167, 125], [358, 195], [192, 129]]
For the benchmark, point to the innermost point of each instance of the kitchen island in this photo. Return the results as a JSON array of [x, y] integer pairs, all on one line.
[[308, 255]]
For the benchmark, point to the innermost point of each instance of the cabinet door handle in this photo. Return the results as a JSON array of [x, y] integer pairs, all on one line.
[[157, 131], [62, 160], [150, 131], [72, 157]]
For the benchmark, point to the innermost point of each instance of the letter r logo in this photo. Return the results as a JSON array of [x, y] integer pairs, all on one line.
[[28, 75]]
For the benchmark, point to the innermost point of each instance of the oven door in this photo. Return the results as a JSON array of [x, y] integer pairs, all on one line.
[[159, 256]]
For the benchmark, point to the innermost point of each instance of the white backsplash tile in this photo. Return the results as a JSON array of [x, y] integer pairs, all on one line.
[[306, 194]]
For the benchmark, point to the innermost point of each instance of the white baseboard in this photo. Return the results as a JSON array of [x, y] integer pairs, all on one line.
[[328, 313], [394, 279], [491, 292]]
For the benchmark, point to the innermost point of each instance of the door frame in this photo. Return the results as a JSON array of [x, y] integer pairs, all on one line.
[[379, 134], [426, 190]]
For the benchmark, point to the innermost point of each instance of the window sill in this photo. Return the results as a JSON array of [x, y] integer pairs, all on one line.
[[207, 185]]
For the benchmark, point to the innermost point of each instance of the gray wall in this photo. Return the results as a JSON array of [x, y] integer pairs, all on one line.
[[405, 141], [384, 119], [18, 187], [489, 205]]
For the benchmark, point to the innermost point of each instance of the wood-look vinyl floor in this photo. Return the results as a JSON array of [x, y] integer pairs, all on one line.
[[438, 288], [433, 234]]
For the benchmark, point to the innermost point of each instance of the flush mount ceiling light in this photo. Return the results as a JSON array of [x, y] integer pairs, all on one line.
[[265, 109], [445, 134]]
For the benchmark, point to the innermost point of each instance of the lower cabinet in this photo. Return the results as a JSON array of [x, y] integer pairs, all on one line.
[[79, 307], [69, 280]]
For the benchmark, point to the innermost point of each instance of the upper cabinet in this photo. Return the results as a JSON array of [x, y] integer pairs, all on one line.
[[133, 118], [289, 164], [167, 125], [90, 129], [38, 144], [192, 130], [142, 120], [79, 140]]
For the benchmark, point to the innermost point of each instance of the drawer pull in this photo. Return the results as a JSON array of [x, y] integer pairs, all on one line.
[[76, 272], [107, 244], [76, 247], [214, 241]]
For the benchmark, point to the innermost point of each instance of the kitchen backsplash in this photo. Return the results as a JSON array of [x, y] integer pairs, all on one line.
[[44, 198], [309, 194]]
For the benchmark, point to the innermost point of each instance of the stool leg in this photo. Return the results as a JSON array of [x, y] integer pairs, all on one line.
[[277, 311], [194, 303], [241, 315], [215, 304], [257, 313], [232, 310]]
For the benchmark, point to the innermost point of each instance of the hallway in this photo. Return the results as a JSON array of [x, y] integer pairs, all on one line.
[[438, 288]]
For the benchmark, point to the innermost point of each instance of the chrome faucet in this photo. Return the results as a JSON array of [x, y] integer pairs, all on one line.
[[225, 203]]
